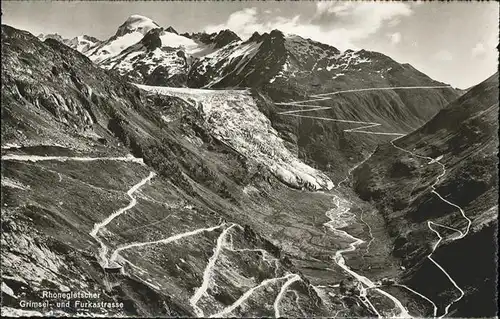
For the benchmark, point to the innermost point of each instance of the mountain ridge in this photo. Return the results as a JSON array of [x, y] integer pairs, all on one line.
[[232, 200], [398, 178], [141, 25]]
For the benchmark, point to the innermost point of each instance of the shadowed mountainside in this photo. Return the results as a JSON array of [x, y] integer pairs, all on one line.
[[463, 138]]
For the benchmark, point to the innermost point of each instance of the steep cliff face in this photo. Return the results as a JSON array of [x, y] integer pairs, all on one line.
[[454, 155]]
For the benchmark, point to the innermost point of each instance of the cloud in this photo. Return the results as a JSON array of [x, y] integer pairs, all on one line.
[[340, 24], [443, 55], [239, 21], [478, 50], [367, 11], [395, 37]]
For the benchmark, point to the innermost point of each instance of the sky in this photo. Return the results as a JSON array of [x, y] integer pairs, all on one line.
[[453, 42]]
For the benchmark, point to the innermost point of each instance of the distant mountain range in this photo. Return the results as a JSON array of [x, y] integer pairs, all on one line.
[[82, 43], [285, 67], [141, 49], [270, 176]]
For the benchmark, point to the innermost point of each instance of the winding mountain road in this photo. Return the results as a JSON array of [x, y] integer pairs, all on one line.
[[361, 129], [390, 88], [226, 311], [330, 95], [115, 253], [38, 158], [103, 251], [276, 305], [208, 274], [461, 235], [222, 242]]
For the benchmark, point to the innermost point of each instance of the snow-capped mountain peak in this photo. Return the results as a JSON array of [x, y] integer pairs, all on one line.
[[159, 53], [148, 53], [172, 40], [136, 23], [129, 33], [54, 36], [83, 43], [217, 39]]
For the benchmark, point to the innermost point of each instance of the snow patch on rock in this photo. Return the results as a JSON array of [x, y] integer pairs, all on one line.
[[114, 47]]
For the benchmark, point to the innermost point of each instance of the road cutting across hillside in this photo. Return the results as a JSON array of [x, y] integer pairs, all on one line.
[[362, 129], [461, 233], [331, 95]]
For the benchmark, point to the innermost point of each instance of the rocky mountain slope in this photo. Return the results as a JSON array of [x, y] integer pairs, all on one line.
[[217, 39], [228, 200], [284, 68], [98, 173], [234, 118], [304, 67], [144, 52], [454, 154], [288, 68], [82, 43], [57, 103], [287, 65]]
